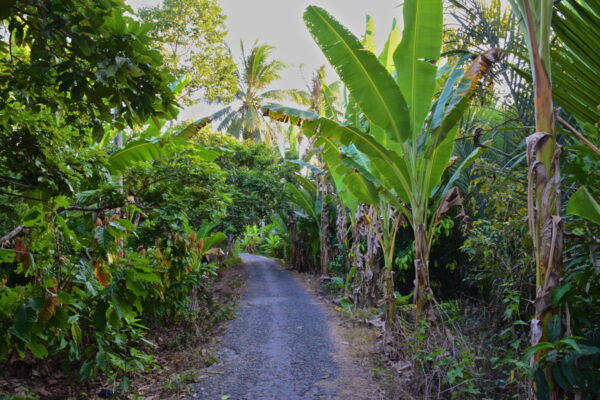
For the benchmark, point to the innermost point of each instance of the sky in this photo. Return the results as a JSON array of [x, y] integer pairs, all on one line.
[[279, 23]]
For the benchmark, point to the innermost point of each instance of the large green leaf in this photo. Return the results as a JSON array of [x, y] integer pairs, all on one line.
[[25, 317], [333, 158], [389, 166], [288, 115], [192, 129], [461, 95], [303, 200], [144, 150], [387, 55], [371, 86], [420, 46], [466, 163], [434, 166], [213, 240], [361, 188], [370, 40], [583, 204]]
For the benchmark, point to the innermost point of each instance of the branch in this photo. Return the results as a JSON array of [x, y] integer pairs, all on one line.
[[578, 134], [10, 235], [75, 207], [19, 195]]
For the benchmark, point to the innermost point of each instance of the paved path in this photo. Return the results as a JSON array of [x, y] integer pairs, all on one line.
[[278, 347]]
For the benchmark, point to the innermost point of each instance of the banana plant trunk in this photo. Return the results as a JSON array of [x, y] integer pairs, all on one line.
[[341, 234], [543, 193], [372, 270], [324, 234], [365, 291], [357, 258], [423, 292]]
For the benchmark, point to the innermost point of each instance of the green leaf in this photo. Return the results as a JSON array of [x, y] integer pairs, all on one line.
[[461, 96], [570, 372], [7, 255], [371, 86], [531, 351], [76, 332], [148, 277], [25, 317], [389, 166], [213, 240], [37, 349], [542, 390], [584, 205], [554, 328], [85, 372], [435, 165], [138, 151], [559, 377], [361, 188], [33, 217], [421, 44], [144, 150], [303, 200], [559, 293], [192, 129], [387, 55], [99, 317]]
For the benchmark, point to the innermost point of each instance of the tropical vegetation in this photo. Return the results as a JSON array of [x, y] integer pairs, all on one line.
[[445, 189]]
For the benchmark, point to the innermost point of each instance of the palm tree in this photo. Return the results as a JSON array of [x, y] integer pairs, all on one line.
[[243, 119]]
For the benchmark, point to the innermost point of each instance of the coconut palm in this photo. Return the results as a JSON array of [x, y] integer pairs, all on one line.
[[243, 119]]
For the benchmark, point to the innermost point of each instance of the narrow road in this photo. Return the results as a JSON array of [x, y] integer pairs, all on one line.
[[277, 348]]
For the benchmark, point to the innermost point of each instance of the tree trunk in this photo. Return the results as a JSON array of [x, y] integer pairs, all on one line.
[[423, 293]]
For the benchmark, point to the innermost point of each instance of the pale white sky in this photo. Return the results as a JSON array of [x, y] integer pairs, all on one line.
[[279, 23]]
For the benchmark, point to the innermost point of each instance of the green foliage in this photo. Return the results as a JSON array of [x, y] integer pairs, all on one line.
[[70, 78], [266, 240], [255, 178], [80, 289], [90, 266], [191, 35]]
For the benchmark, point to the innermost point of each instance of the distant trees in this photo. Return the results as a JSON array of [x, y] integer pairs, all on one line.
[[191, 36]]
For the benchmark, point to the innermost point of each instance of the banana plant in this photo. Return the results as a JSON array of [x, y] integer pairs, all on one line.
[[410, 137], [154, 144], [156, 141], [544, 192], [306, 197]]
